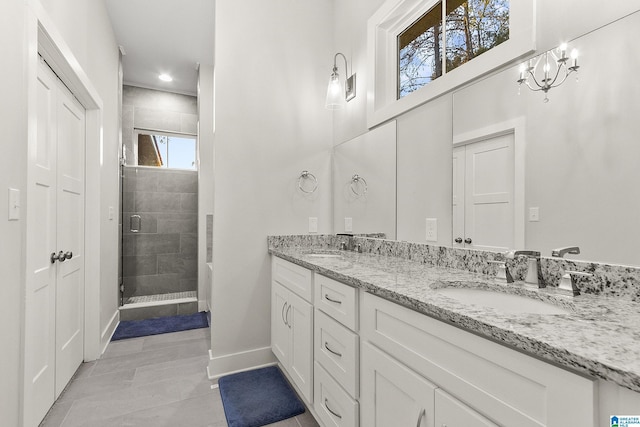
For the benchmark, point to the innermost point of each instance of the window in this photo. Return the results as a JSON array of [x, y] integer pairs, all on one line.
[[471, 28], [421, 49], [166, 150]]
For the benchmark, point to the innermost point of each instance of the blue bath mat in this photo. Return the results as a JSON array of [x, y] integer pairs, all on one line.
[[159, 325], [257, 398]]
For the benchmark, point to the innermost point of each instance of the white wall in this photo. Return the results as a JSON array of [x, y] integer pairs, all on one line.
[[205, 177], [273, 60], [12, 174], [86, 29]]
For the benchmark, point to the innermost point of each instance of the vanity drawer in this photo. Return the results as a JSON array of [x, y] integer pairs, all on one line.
[[332, 404], [337, 350], [292, 276], [338, 300]]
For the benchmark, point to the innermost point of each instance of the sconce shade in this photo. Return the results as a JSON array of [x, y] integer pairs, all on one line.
[[335, 100]]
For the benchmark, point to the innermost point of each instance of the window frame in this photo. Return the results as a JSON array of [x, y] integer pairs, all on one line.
[[394, 17], [138, 131]]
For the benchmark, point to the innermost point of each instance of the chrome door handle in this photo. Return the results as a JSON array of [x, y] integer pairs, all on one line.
[[422, 414], [335, 301], [135, 222], [458, 240], [326, 405], [61, 256], [288, 309], [282, 314], [467, 240], [326, 345]]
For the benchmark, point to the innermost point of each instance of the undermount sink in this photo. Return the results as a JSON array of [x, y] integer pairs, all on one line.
[[324, 255], [501, 301]]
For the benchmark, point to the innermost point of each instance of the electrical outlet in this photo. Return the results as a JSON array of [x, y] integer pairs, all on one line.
[[348, 224], [432, 229], [534, 214], [313, 224]]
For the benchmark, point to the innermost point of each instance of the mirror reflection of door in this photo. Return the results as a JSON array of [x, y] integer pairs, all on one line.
[[483, 185]]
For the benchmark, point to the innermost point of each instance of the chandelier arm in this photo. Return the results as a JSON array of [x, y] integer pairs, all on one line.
[[533, 76], [560, 67]]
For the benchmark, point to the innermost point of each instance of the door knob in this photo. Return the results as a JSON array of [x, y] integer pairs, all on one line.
[[61, 256], [458, 240], [68, 255], [467, 240]]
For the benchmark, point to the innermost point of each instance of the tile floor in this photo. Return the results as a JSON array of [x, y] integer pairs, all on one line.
[[160, 380]]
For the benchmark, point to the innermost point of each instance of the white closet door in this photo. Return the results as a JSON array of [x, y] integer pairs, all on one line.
[[39, 387], [70, 238], [54, 335], [458, 196], [489, 183]]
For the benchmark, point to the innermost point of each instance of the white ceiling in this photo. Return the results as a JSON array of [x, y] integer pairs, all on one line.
[[163, 36]]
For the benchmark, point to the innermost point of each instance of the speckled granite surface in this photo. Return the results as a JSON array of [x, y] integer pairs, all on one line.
[[599, 335]]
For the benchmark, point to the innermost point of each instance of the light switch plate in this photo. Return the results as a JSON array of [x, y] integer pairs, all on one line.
[[313, 224], [534, 214], [432, 229], [14, 204], [348, 224]]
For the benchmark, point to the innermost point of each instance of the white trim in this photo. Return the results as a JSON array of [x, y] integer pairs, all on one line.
[[393, 17], [238, 362], [109, 330], [517, 127]]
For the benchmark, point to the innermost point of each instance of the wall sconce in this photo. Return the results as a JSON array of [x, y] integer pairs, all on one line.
[[334, 98], [552, 65]]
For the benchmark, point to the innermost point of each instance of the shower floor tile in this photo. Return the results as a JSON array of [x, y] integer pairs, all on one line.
[[161, 297]]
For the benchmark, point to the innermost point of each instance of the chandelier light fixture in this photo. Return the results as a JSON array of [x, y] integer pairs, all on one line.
[[548, 70]]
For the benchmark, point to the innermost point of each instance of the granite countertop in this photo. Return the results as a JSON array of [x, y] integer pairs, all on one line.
[[599, 336]]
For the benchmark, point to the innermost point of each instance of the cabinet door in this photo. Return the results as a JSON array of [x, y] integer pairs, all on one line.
[[279, 328], [450, 412], [391, 394], [300, 319]]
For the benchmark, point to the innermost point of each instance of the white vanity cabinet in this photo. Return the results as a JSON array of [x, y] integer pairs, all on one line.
[[292, 323], [336, 353], [476, 382]]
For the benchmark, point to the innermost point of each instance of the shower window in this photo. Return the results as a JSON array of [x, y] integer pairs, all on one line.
[[166, 150]]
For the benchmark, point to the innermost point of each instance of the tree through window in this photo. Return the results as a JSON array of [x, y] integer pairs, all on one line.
[[471, 27]]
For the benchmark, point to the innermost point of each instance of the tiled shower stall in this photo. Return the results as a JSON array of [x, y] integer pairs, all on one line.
[[160, 245]]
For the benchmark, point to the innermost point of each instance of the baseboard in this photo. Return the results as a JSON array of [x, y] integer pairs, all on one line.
[[237, 362], [107, 333]]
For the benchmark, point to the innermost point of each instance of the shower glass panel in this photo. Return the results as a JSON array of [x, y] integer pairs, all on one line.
[[159, 226]]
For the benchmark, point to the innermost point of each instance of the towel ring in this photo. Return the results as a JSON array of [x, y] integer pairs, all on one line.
[[304, 176], [358, 181]]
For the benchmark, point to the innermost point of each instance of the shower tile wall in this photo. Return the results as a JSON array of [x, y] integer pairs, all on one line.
[[162, 257]]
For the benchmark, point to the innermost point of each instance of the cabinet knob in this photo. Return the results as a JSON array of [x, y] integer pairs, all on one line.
[[458, 240], [467, 240]]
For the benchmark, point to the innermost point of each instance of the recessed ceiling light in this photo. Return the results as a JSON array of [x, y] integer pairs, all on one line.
[[165, 77]]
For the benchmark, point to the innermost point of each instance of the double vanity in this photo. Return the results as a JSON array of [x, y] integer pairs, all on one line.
[[395, 335]]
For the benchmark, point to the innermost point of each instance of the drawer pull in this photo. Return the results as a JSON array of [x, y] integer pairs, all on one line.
[[287, 315], [422, 414], [326, 345], [335, 301], [282, 313], [326, 405]]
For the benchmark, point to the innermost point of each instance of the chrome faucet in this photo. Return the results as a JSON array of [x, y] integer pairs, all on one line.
[[560, 252], [534, 270]]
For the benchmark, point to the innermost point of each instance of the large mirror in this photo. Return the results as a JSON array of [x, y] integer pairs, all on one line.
[[575, 158], [364, 183]]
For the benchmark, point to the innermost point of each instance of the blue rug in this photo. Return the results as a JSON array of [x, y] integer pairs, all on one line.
[[159, 325], [257, 398]]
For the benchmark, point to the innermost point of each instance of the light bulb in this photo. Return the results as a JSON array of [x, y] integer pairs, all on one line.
[[165, 77]]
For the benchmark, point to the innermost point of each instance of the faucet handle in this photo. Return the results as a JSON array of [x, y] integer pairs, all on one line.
[[568, 281]]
